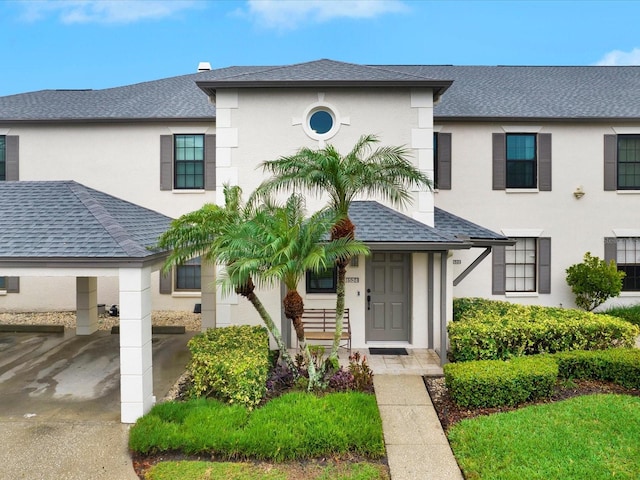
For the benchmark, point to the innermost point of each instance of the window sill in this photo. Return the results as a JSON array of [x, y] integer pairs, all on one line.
[[630, 294], [321, 295], [521, 190], [521, 294], [186, 190], [3, 293], [186, 294], [628, 192]]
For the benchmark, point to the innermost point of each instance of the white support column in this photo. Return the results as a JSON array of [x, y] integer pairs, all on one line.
[[86, 305], [208, 295], [136, 373]]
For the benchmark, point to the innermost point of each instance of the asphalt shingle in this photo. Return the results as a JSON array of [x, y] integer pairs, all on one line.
[[64, 219], [477, 92]]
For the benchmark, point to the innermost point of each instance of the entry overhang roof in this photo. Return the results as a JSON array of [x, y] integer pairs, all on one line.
[[387, 229], [66, 224]]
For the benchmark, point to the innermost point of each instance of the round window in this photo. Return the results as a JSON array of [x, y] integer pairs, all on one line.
[[321, 121]]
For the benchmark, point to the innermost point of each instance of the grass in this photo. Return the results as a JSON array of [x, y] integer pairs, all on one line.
[[592, 436], [630, 313], [186, 470], [292, 427]]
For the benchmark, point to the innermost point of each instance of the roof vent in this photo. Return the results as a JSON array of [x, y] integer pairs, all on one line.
[[204, 66]]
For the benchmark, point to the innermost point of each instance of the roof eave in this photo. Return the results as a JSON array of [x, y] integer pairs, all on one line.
[[417, 246], [438, 86], [493, 119], [82, 262], [80, 120]]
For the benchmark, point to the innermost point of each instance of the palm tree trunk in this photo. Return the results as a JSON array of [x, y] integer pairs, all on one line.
[[273, 330], [340, 294], [293, 309]]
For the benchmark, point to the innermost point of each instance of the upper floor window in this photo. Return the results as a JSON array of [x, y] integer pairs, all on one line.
[[322, 282], [628, 260], [521, 160], [3, 158], [189, 161], [629, 162]]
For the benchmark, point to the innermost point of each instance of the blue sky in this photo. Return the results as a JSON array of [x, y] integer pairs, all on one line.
[[105, 43]]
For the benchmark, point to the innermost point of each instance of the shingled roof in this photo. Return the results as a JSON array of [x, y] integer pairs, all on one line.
[[382, 227], [67, 222], [481, 93]]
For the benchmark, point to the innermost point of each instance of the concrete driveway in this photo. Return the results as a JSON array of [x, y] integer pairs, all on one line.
[[60, 403]]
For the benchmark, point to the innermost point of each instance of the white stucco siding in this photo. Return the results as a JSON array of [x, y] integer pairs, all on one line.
[[120, 159], [575, 226], [269, 125]]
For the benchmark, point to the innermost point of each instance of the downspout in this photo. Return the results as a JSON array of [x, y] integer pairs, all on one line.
[[443, 308], [430, 301]]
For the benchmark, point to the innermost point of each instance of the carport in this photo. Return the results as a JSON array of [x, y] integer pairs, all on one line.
[[65, 229]]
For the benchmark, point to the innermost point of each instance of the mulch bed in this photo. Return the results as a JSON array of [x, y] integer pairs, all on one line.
[[449, 413]]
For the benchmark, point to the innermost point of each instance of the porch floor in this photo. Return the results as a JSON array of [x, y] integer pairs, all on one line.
[[420, 361]]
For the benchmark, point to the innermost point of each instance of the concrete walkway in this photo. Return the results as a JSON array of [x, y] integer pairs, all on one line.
[[417, 448]]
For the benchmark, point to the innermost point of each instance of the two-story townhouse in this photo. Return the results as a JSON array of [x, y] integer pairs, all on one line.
[[544, 155], [166, 146]]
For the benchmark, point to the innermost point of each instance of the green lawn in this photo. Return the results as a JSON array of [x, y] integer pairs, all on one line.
[[589, 437], [292, 427]]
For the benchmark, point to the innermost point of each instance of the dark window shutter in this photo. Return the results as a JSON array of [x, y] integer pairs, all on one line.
[[499, 161], [544, 162], [610, 249], [610, 162], [166, 162], [165, 282], [443, 182], [12, 146], [12, 284], [498, 271], [544, 265], [209, 162]]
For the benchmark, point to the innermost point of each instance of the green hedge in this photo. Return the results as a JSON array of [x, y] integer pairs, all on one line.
[[619, 365], [231, 364], [494, 330], [494, 383]]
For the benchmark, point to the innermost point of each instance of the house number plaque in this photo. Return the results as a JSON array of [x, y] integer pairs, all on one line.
[[352, 280]]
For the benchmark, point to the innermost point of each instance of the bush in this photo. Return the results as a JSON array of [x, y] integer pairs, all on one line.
[[619, 365], [629, 313], [493, 330], [594, 281], [230, 364], [494, 383]]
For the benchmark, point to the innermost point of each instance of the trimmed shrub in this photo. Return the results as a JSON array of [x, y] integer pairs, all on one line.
[[495, 383], [619, 365], [630, 313], [493, 330], [230, 364]]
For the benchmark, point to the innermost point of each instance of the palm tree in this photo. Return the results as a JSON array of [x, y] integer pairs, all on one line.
[[385, 172], [205, 233], [285, 246]]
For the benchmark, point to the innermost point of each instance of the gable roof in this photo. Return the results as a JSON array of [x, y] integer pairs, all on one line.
[[325, 73], [479, 93], [67, 222]]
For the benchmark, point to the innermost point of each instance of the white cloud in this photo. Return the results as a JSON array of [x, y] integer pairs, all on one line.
[[290, 14], [102, 11], [618, 57]]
